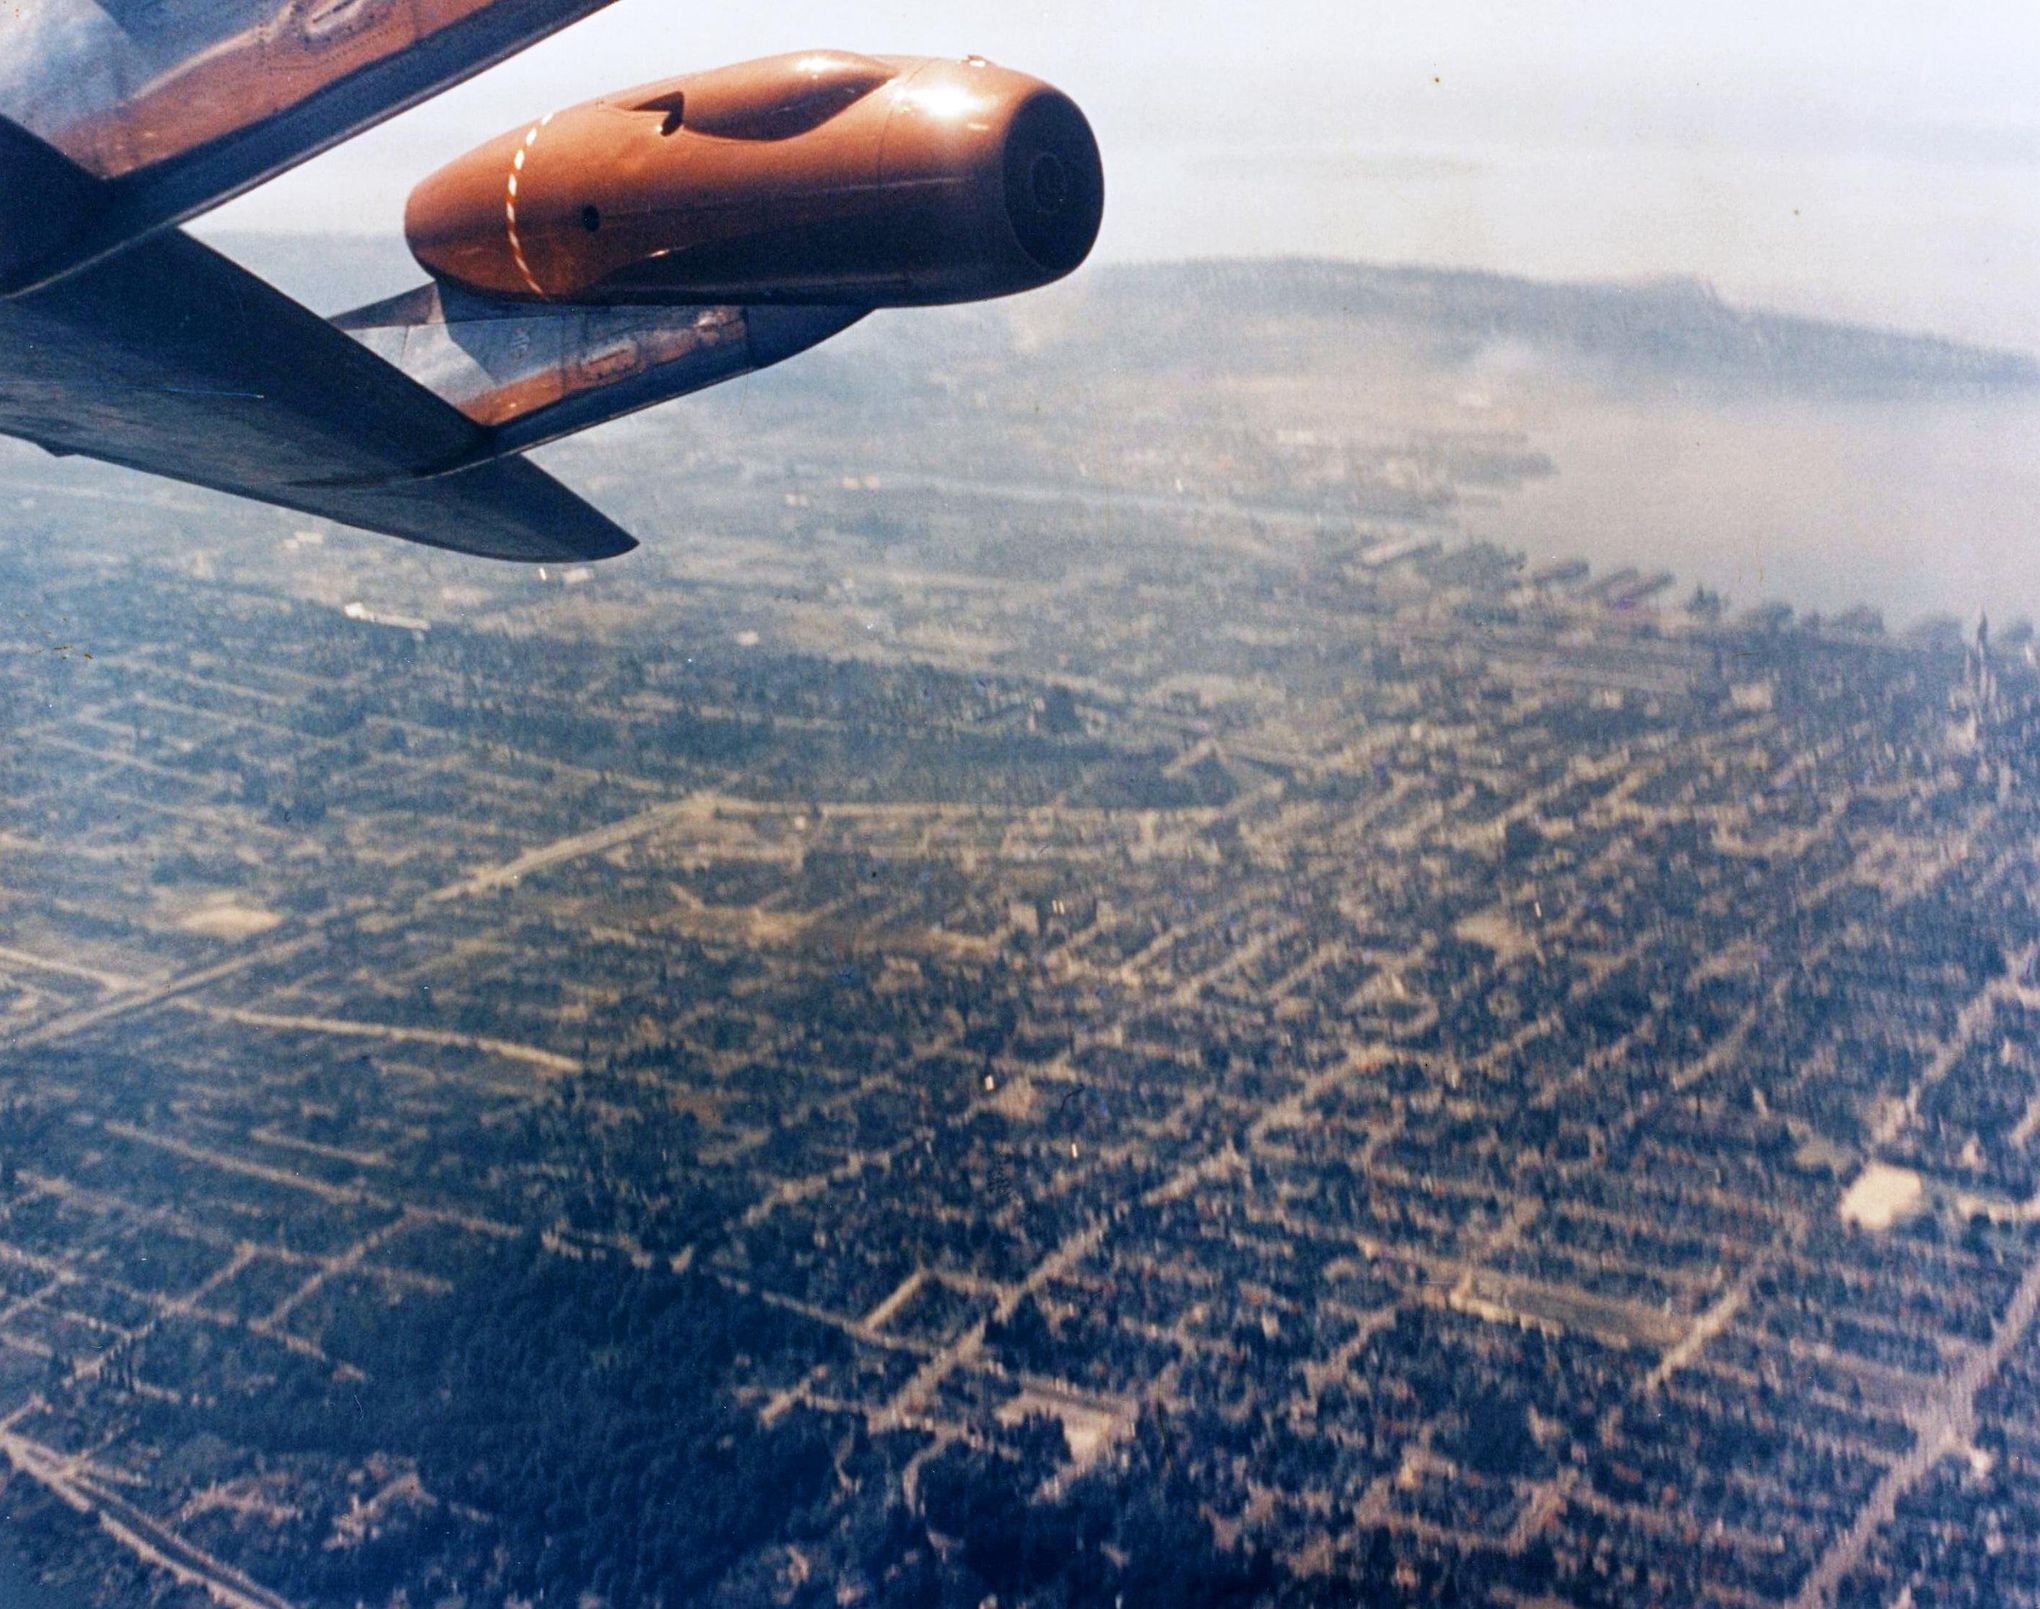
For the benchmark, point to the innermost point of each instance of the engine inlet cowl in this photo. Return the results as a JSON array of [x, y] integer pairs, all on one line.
[[825, 177]]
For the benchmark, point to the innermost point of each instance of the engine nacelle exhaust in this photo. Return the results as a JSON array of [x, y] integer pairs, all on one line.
[[818, 178]]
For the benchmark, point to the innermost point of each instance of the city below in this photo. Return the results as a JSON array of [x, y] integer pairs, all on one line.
[[1038, 1003]]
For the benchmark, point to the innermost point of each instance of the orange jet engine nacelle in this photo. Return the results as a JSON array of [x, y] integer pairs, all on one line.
[[818, 178]]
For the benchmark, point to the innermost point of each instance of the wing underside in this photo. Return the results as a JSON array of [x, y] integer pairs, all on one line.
[[171, 359]]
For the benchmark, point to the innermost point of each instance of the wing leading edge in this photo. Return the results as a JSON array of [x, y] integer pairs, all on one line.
[[167, 107]]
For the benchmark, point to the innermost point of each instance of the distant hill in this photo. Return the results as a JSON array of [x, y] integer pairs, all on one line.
[[1671, 333], [1667, 333]]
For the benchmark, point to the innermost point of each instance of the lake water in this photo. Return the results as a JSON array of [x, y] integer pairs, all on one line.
[[1912, 508]]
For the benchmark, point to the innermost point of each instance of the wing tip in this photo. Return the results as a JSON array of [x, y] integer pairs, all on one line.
[[592, 538], [613, 543], [580, 533]]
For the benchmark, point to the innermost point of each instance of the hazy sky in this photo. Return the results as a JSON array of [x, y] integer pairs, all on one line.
[[1870, 160]]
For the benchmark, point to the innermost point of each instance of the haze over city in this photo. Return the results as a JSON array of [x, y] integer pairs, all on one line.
[[1876, 162]]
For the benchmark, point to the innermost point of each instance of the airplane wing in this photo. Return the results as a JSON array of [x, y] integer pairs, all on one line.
[[155, 110], [403, 418], [171, 359]]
